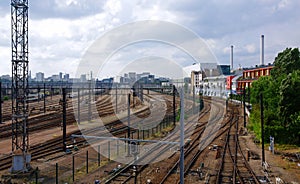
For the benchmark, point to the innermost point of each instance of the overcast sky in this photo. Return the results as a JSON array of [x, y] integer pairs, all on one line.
[[61, 31]]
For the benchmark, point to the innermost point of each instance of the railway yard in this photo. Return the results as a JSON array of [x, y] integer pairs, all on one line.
[[217, 148], [178, 116]]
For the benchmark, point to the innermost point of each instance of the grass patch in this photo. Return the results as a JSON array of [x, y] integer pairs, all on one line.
[[286, 147]]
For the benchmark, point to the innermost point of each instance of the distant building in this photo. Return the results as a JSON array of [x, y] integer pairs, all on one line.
[[29, 75], [196, 79], [229, 82], [39, 77], [5, 77], [215, 86], [132, 77], [235, 84], [144, 74], [105, 83], [66, 77], [83, 78], [225, 69], [60, 75], [252, 74], [55, 78]]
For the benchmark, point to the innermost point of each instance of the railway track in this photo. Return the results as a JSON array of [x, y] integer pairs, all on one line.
[[194, 156], [124, 175], [55, 145], [52, 119], [193, 152], [234, 167]]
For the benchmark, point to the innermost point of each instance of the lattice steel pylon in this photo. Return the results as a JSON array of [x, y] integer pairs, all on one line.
[[19, 45]]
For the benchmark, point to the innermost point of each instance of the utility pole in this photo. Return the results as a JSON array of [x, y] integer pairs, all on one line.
[[44, 97], [193, 99], [231, 69], [142, 94], [174, 105], [262, 129], [181, 136], [244, 105], [128, 120], [78, 105], [116, 99], [19, 46], [64, 103], [0, 102], [89, 104]]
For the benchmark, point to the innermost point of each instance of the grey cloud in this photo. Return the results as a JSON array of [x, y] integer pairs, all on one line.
[[41, 9], [212, 19], [226, 22]]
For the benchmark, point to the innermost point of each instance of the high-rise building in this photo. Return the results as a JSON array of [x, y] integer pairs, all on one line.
[[66, 76], [60, 75], [39, 77], [132, 77]]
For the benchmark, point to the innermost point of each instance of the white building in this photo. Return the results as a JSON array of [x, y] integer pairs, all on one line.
[[215, 86], [196, 81]]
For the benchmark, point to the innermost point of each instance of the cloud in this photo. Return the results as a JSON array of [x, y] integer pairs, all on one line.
[[250, 48], [60, 31]]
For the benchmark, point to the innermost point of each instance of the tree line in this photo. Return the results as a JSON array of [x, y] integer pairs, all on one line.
[[281, 99]]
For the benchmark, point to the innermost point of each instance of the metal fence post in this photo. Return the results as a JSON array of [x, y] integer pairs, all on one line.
[[73, 167], [0, 102], [78, 105], [36, 175], [87, 161], [56, 173], [44, 97], [99, 155], [108, 150]]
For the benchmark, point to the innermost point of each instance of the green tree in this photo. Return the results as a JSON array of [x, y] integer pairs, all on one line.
[[264, 85], [281, 100], [289, 96], [286, 62]]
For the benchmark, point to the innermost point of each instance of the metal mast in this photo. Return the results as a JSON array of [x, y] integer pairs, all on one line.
[[19, 46]]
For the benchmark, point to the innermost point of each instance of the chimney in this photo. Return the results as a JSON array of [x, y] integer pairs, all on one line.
[[262, 51], [231, 58]]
